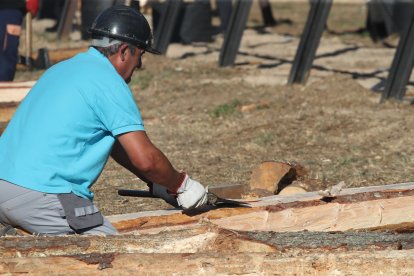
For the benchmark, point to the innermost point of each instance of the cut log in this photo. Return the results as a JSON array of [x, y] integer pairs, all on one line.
[[228, 190], [292, 190], [373, 208], [268, 175]]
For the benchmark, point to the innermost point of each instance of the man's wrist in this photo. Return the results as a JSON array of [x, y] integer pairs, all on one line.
[[183, 177]]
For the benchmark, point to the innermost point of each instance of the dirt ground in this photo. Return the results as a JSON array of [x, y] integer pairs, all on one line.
[[218, 124]]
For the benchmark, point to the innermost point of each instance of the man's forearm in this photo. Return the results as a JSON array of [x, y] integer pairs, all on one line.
[[121, 157], [161, 171]]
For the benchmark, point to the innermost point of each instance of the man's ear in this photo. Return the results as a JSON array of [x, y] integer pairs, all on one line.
[[122, 49]]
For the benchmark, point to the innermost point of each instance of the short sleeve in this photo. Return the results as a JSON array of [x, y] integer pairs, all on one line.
[[117, 110]]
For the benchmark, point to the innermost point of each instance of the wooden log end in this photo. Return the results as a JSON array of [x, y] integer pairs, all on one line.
[[273, 176], [292, 190]]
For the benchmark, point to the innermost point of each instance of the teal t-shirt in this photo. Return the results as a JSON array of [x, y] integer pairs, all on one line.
[[61, 135]]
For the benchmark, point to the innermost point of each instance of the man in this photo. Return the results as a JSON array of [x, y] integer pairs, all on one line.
[[80, 111]]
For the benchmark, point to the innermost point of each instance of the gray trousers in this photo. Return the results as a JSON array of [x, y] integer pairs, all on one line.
[[39, 213]]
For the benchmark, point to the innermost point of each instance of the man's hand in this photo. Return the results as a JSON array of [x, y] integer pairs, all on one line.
[[162, 192], [191, 194]]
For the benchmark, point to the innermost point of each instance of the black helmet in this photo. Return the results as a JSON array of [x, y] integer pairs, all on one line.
[[125, 24]]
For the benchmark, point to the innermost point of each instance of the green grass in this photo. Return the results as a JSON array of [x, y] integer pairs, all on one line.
[[226, 109]]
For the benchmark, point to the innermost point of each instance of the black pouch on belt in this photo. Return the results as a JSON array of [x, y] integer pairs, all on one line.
[[80, 212]]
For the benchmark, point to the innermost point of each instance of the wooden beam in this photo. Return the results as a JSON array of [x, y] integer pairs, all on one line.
[[221, 251], [378, 207], [394, 262], [203, 238], [14, 91]]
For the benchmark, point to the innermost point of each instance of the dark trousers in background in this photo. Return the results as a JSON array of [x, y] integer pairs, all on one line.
[[9, 43]]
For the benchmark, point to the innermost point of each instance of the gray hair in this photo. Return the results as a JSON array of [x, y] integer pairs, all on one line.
[[108, 46]]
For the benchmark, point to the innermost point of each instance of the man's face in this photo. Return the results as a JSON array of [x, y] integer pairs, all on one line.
[[132, 62]]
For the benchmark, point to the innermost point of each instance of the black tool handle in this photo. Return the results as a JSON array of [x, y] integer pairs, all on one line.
[[136, 193]]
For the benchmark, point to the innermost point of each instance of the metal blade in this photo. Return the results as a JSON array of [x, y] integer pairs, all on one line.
[[215, 200]]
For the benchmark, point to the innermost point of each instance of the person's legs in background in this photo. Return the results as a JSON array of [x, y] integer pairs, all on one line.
[[10, 29]]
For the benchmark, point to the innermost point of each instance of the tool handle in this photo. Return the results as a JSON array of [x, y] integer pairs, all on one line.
[[136, 193]]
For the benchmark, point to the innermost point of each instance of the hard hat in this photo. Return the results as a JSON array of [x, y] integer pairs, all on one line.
[[125, 24]]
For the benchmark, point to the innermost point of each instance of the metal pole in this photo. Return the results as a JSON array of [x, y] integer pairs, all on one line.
[[234, 32], [309, 41], [401, 66], [166, 26], [66, 21]]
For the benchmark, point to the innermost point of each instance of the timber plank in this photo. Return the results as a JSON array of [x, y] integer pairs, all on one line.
[[14, 91], [376, 207]]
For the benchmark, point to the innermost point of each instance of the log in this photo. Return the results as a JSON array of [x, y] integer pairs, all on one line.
[[7, 110], [228, 190], [205, 243], [267, 176], [374, 208], [271, 177], [204, 239], [11, 94], [57, 55], [14, 92], [219, 251], [347, 263], [292, 190]]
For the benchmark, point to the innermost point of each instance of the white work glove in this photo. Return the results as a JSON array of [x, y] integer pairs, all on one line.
[[162, 192], [191, 194]]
